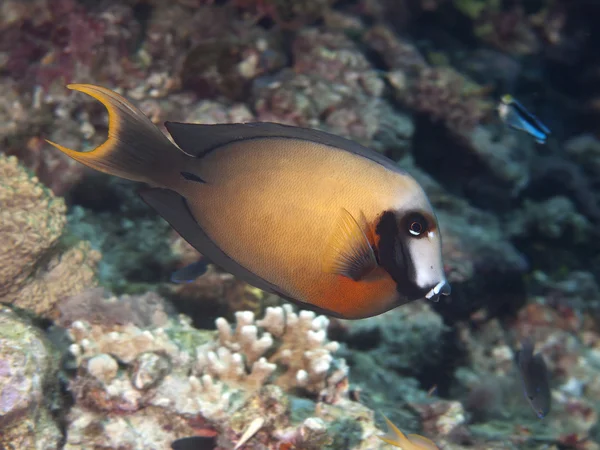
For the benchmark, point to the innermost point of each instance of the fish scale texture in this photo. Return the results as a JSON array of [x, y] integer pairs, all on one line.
[[35, 270]]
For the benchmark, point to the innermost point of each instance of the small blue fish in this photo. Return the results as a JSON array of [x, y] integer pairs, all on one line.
[[516, 116], [534, 376]]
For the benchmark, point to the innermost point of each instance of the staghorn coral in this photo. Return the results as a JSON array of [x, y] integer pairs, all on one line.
[[302, 354], [36, 270]]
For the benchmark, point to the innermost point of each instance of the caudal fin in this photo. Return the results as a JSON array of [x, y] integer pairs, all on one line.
[[135, 149]]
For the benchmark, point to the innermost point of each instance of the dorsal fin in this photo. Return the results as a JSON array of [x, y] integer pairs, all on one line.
[[199, 139]]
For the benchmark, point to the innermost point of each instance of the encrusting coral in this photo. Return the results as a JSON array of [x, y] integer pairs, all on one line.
[[36, 270]]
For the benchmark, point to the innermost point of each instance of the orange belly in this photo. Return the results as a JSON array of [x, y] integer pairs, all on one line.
[[356, 299]]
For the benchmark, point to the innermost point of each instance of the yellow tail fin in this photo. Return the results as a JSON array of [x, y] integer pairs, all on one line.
[[135, 149]]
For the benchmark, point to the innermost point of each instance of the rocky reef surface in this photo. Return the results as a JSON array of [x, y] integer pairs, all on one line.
[[98, 350]]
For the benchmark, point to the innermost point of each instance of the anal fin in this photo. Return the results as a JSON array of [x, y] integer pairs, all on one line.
[[349, 252]]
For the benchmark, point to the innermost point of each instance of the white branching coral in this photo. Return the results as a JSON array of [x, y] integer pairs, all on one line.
[[290, 348], [169, 372], [192, 395]]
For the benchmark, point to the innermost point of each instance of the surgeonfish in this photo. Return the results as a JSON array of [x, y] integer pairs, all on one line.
[[516, 116], [310, 216], [397, 438], [534, 376]]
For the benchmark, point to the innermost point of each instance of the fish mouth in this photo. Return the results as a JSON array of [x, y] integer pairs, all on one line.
[[442, 288]]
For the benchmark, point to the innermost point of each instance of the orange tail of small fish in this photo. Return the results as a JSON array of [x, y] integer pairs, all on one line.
[[135, 149]]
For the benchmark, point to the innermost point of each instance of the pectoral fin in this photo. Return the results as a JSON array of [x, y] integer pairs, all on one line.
[[348, 251], [190, 272]]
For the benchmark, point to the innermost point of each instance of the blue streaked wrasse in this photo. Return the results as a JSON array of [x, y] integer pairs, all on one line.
[[516, 116]]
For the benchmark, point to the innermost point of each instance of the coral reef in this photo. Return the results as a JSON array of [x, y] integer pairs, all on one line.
[[415, 80], [444, 96], [28, 386], [36, 269], [170, 379], [440, 93], [97, 306]]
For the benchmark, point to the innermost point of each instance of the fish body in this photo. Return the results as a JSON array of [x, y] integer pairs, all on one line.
[[304, 214], [516, 116], [397, 438], [534, 377]]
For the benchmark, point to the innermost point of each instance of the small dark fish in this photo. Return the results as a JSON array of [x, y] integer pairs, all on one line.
[[516, 116], [190, 272], [194, 443], [534, 375]]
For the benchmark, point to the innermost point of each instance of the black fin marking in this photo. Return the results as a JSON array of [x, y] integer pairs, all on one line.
[[190, 272], [348, 251], [174, 209], [191, 177], [198, 139]]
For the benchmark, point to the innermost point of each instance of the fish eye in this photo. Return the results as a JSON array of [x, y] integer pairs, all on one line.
[[417, 224]]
